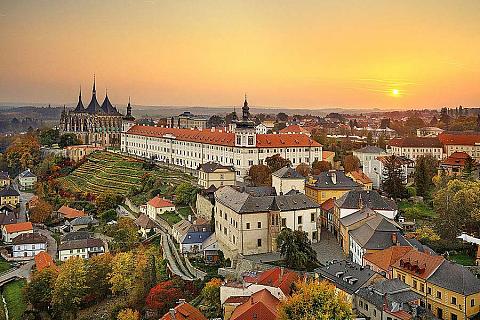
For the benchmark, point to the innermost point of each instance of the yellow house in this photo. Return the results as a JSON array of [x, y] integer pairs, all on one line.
[[329, 184], [215, 174], [8, 195], [4, 179]]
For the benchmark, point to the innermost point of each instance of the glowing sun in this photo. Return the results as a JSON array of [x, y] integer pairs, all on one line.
[[395, 92]]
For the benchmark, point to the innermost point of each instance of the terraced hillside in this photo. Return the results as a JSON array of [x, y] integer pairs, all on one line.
[[109, 172]]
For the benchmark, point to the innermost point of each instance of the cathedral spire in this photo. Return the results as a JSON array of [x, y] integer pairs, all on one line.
[[94, 91]]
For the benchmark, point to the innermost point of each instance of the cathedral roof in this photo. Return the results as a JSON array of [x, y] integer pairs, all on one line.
[[108, 108], [79, 108], [94, 107]]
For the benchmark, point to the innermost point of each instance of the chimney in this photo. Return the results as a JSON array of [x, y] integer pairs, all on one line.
[[172, 313], [394, 239], [181, 301], [333, 176]]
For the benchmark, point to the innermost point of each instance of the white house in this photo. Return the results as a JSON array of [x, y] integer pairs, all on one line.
[[83, 248], [261, 129], [27, 179], [287, 179], [414, 147], [28, 245], [10, 231], [157, 205], [145, 225], [354, 200], [370, 164], [193, 241]]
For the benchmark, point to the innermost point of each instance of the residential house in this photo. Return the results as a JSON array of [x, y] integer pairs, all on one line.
[[210, 249], [294, 129], [382, 261], [4, 179], [183, 311], [352, 222], [414, 147], [8, 195], [329, 156], [7, 214], [231, 304], [348, 277], [215, 174], [193, 241], [67, 213], [453, 292], [369, 163], [329, 184], [389, 299], [146, 226], [44, 260], [454, 164], [180, 229], [250, 224], [278, 281], [461, 141], [261, 129], [33, 202], [10, 231], [27, 179], [261, 305], [429, 132], [361, 178], [157, 206], [326, 211], [82, 223], [286, 179], [375, 234], [76, 235], [28, 245], [84, 248]]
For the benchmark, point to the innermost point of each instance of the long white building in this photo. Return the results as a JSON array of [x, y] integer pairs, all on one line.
[[241, 147]]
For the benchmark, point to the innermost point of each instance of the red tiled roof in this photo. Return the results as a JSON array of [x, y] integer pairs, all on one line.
[[159, 202], [237, 299], [460, 138], [18, 227], [416, 142], [224, 138], [184, 311], [420, 264], [71, 213], [262, 305], [328, 204], [456, 159], [360, 176], [327, 154], [294, 128], [278, 277], [385, 258], [44, 260]]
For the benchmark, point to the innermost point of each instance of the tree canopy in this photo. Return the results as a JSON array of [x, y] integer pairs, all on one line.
[[296, 249], [393, 181], [260, 175], [276, 162]]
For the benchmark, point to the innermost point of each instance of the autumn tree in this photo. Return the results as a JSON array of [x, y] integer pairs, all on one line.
[[41, 212], [320, 166], [70, 288], [260, 175], [23, 153], [425, 170], [393, 181], [98, 269], [125, 234], [313, 300], [351, 163], [296, 248], [39, 290], [122, 277], [128, 314], [381, 143], [303, 169], [163, 296], [211, 306], [370, 138], [108, 200], [276, 162]]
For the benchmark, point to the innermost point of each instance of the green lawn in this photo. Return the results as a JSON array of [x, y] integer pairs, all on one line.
[[463, 259], [4, 265], [418, 211], [171, 217], [184, 212], [13, 293]]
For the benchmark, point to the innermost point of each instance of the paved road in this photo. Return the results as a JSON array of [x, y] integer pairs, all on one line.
[[51, 242], [122, 212], [24, 198], [21, 272]]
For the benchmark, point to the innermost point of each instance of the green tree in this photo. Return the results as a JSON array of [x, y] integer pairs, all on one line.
[[260, 175], [313, 300], [49, 137], [381, 143], [68, 139], [425, 170], [125, 234], [296, 248], [109, 200], [98, 270], [70, 288], [393, 181], [186, 193], [276, 162], [370, 139], [39, 290], [211, 305]]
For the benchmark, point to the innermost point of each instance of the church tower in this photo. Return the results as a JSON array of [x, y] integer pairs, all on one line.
[[128, 121], [245, 135]]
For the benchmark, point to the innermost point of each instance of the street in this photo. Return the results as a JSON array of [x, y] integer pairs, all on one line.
[[24, 198]]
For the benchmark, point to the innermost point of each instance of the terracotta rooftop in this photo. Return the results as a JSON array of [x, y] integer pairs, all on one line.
[[18, 227], [279, 278], [294, 128], [184, 311], [327, 154], [416, 142], [262, 305], [359, 176], [423, 265], [456, 159], [385, 258], [224, 138], [159, 202], [328, 204], [460, 138], [44, 260], [71, 213]]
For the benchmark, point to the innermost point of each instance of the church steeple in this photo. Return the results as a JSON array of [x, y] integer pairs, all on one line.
[[94, 91], [129, 116], [245, 110], [79, 108]]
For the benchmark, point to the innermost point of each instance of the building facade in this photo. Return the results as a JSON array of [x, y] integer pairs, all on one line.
[[217, 175], [96, 124], [414, 147], [242, 147], [468, 142], [187, 120]]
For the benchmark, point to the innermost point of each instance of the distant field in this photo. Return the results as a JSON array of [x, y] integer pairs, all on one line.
[[110, 172]]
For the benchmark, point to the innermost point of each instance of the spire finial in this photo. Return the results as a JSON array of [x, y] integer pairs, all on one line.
[[128, 100], [94, 90]]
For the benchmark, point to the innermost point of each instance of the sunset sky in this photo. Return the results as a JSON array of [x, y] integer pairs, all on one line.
[[299, 54]]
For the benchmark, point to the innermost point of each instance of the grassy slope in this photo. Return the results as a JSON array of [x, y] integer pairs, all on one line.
[[13, 293]]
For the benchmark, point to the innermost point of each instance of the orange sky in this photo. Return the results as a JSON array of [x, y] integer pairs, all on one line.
[[309, 54]]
